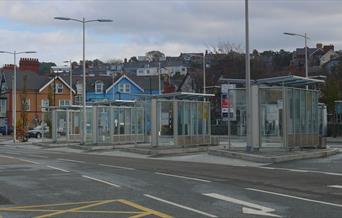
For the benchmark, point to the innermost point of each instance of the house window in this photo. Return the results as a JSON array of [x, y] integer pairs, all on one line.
[[59, 88], [98, 87], [64, 102], [78, 99], [26, 104], [44, 104], [147, 71], [79, 88], [125, 88], [3, 106]]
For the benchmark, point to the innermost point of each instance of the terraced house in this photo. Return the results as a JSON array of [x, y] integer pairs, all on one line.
[[34, 94]]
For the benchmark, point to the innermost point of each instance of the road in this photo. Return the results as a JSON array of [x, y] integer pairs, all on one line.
[[45, 183]]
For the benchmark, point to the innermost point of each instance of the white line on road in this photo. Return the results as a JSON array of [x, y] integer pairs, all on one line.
[[295, 197], [7, 156], [302, 171], [39, 156], [335, 186], [267, 168], [29, 161], [56, 168], [114, 166], [250, 208], [182, 177], [181, 206], [103, 181], [69, 160]]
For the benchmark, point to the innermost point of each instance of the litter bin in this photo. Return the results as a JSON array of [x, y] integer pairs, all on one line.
[[322, 142]]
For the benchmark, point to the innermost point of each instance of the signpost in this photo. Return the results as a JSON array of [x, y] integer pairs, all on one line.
[[228, 106]]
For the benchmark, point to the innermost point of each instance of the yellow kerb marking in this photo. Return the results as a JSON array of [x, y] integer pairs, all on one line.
[[145, 209], [75, 209]]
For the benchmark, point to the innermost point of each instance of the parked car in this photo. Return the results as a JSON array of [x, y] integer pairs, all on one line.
[[5, 130], [38, 131]]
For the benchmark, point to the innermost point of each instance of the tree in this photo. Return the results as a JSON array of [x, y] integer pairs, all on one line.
[[133, 59], [155, 55], [331, 90], [224, 47], [44, 67], [114, 61]]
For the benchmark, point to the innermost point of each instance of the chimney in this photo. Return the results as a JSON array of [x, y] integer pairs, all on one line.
[[29, 64], [327, 48], [319, 45]]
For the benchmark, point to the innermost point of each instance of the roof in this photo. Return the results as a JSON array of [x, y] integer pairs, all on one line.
[[53, 79], [124, 77], [147, 82], [289, 80], [34, 81]]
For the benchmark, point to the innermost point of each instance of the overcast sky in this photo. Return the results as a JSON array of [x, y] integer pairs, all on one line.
[[171, 26]]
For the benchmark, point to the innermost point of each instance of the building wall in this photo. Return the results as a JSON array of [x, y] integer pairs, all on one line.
[[34, 115], [114, 94]]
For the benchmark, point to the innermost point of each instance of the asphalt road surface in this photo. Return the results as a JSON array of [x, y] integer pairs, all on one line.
[[43, 183]]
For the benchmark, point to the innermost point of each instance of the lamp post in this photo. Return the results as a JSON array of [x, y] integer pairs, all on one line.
[[14, 90], [305, 50], [249, 146], [83, 21], [70, 73]]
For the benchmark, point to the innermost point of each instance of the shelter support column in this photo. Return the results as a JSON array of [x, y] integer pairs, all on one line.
[[68, 125], [285, 108], [95, 125], [255, 130], [154, 123], [175, 122], [53, 126]]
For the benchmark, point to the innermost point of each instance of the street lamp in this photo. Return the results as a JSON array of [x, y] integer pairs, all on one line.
[[250, 143], [305, 49], [83, 21], [70, 73], [14, 90]]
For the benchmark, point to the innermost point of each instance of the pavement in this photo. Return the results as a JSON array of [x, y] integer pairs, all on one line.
[[65, 182]]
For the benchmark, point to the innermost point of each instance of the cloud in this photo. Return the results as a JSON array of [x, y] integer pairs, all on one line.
[[171, 26]]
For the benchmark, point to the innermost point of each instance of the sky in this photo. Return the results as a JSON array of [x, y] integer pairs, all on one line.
[[170, 26]]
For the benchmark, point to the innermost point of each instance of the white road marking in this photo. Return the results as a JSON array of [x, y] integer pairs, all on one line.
[[333, 174], [69, 160], [182, 177], [302, 171], [114, 166], [180, 206], [295, 197], [268, 168], [29, 161], [297, 170], [39, 156], [335, 186], [7, 156], [103, 181], [249, 208], [56, 168]]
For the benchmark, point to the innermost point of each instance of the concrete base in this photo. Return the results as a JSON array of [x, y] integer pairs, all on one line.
[[275, 157], [165, 151]]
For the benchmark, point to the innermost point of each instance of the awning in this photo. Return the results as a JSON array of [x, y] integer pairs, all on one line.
[[290, 80], [179, 95]]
